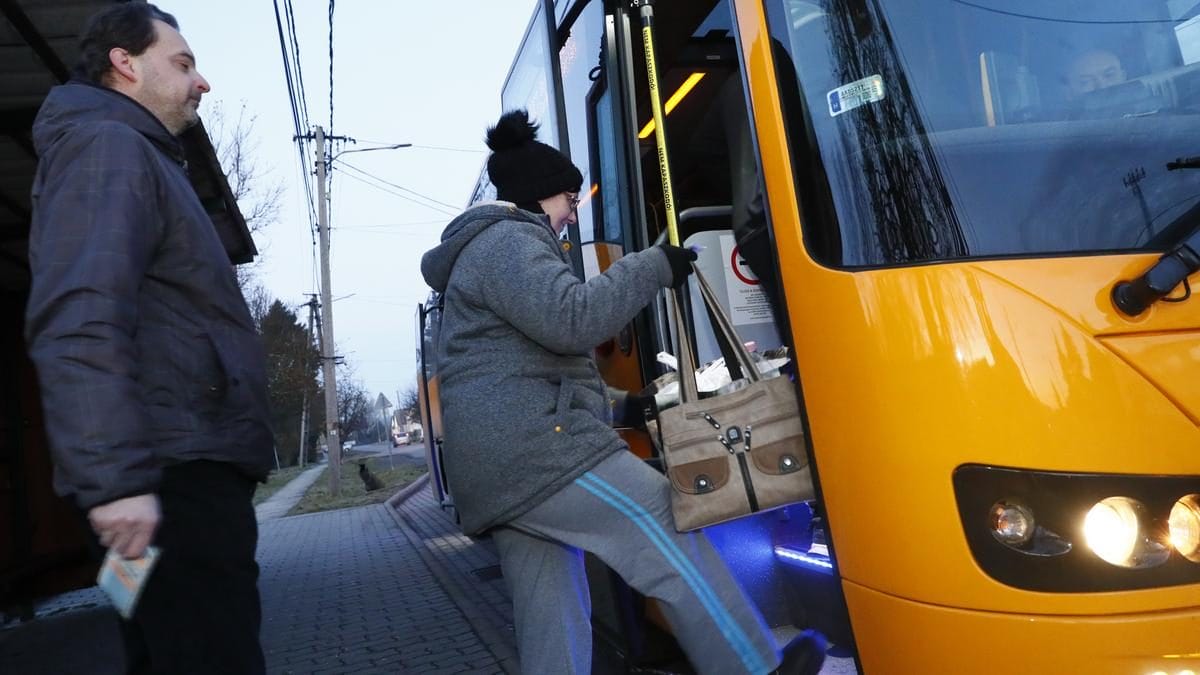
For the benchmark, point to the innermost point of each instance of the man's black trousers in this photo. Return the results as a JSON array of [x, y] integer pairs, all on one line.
[[199, 612]]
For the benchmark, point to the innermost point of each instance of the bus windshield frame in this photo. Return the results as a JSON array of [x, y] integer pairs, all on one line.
[[938, 130]]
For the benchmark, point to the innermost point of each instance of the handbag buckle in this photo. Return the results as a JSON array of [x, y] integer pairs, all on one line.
[[727, 444], [703, 484]]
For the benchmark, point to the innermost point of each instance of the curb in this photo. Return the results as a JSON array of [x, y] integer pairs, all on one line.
[[485, 627], [407, 491]]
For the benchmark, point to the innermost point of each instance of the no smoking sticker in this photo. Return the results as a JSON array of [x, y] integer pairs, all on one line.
[[741, 268]]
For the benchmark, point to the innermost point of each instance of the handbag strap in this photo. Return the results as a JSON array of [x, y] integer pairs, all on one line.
[[686, 361], [726, 331], [688, 390]]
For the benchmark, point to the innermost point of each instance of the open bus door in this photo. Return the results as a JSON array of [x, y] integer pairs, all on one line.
[[428, 319], [603, 84]]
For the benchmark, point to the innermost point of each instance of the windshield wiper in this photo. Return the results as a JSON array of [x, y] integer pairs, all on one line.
[[1173, 268], [1184, 163]]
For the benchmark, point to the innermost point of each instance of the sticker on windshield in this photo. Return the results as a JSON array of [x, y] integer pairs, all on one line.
[[850, 96]]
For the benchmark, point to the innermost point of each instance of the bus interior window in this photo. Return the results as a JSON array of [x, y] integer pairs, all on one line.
[[691, 68], [715, 181]]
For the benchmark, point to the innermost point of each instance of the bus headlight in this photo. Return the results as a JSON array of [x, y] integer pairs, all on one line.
[[1184, 526], [1115, 530], [1012, 522]]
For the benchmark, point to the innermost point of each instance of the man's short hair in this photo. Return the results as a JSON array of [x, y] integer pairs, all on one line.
[[128, 25]]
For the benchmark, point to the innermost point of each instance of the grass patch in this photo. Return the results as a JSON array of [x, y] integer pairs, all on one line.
[[353, 493], [276, 480]]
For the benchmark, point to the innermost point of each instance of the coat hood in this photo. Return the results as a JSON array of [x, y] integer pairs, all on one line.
[[438, 262], [75, 104]]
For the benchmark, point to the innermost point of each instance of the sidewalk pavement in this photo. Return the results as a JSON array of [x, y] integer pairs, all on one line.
[[388, 588], [349, 591], [278, 504]]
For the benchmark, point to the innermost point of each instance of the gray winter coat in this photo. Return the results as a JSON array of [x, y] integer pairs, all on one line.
[[524, 409], [145, 352]]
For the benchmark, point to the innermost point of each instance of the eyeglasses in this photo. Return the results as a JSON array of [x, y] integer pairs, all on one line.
[[572, 200]]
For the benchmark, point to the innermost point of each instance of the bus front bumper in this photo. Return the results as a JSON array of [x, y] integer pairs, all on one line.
[[900, 636]]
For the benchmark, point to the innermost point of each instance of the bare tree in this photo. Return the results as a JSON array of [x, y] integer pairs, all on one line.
[[258, 300], [354, 406], [409, 402], [258, 195]]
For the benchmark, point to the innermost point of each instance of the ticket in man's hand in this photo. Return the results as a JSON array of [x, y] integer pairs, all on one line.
[[123, 580]]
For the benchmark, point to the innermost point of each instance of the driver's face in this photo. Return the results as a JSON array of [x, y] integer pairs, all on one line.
[[1094, 70]]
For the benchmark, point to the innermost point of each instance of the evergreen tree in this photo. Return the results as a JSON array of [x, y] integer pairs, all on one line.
[[292, 365]]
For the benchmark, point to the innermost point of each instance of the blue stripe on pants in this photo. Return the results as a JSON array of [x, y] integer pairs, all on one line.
[[646, 522]]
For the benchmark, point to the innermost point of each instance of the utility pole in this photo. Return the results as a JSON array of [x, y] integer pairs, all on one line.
[[312, 308], [332, 439]]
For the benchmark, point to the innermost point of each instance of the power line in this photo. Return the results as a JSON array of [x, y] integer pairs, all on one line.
[[381, 226], [445, 149], [398, 187], [295, 40], [287, 71], [331, 3], [302, 105], [293, 77], [400, 195], [390, 234]]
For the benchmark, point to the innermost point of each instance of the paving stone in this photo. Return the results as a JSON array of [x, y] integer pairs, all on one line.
[[355, 582]]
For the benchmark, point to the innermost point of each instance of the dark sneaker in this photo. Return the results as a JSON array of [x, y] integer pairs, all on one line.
[[803, 655]]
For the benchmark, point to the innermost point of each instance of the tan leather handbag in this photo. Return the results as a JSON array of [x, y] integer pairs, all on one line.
[[736, 453]]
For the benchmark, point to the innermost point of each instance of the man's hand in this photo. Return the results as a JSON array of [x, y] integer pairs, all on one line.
[[126, 525]]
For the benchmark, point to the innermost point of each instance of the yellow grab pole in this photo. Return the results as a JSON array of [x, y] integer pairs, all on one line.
[[679, 301], [660, 128]]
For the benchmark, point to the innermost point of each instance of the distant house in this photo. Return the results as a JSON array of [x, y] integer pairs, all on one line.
[[404, 430]]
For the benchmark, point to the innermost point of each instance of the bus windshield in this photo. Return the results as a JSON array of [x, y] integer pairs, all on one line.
[[928, 130]]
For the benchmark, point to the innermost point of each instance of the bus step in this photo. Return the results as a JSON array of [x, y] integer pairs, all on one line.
[[815, 558]]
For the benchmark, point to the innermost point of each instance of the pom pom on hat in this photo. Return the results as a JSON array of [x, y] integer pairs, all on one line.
[[524, 169], [513, 129]]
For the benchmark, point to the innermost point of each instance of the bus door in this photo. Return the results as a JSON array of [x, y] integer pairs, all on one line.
[[428, 319], [720, 200]]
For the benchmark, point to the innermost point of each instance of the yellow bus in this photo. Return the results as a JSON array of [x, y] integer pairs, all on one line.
[[971, 227]]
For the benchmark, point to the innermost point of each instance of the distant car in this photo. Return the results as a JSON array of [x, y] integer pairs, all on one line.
[[347, 445], [399, 439]]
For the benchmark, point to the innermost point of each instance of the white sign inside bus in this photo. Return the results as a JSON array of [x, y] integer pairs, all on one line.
[[850, 96]]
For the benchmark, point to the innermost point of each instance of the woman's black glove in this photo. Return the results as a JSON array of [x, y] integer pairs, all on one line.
[[680, 260]]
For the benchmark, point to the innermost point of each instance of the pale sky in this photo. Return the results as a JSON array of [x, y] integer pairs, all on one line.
[[426, 73]]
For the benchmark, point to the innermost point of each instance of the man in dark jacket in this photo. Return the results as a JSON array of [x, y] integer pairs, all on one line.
[[151, 372], [530, 454]]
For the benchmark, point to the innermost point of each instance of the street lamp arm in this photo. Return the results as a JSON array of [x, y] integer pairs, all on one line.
[[394, 146]]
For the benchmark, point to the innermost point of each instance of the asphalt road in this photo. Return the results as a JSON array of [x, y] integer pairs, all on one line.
[[383, 455]]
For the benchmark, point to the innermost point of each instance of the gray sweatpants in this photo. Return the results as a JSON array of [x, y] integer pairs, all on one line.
[[620, 511]]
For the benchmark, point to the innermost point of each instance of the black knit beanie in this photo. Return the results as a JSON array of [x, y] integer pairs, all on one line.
[[523, 169]]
